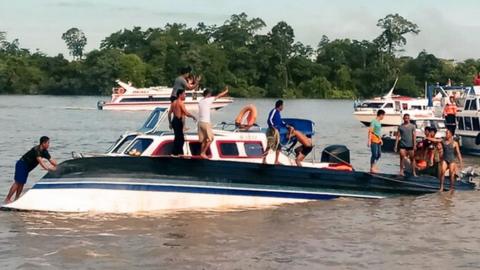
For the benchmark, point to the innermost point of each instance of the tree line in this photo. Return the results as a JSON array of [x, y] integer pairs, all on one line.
[[238, 53]]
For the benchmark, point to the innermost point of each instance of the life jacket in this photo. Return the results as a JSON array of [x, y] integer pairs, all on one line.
[[450, 109]]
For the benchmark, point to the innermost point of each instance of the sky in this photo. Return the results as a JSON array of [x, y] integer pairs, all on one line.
[[449, 29]]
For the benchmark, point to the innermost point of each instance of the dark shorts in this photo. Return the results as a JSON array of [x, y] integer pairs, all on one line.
[[21, 172], [304, 150], [406, 148]]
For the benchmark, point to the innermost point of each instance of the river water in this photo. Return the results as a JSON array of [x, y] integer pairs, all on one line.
[[434, 231]]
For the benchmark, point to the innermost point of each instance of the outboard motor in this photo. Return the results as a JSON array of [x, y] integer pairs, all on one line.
[[336, 154]]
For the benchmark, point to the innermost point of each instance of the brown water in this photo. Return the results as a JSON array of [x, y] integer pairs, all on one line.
[[428, 232]]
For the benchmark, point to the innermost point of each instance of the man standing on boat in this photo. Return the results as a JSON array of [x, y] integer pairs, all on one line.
[[205, 132], [375, 141], [408, 142], [275, 122], [27, 163], [450, 113], [182, 83], [176, 123]]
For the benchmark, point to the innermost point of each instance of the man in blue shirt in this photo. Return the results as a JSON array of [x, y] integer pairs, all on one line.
[[275, 122]]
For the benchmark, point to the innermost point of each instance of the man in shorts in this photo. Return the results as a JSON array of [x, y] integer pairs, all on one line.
[[406, 143], [275, 122], [27, 163], [205, 133], [305, 147]]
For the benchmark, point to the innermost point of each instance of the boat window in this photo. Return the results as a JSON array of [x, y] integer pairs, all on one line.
[[228, 149], [404, 106], [145, 99], [467, 105], [473, 105], [460, 123], [253, 149], [468, 123], [196, 147], [416, 107], [138, 147], [126, 141], [374, 105], [476, 123], [388, 105], [164, 149]]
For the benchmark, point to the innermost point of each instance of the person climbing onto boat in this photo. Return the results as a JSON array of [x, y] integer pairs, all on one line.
[[178, 110], [305, 147], [181, 83], [205, 132], [375, 141], [450, 112], [408, 142], [274, 122], [451, 152], [27, 163]]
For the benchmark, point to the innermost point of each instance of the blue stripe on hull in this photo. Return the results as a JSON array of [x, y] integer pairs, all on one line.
[[188, 189]]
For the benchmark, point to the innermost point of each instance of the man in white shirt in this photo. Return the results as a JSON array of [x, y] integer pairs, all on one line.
[[205, 133]]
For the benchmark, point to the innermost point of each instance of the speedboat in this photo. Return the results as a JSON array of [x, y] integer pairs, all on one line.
[[126, 97], [137, 173], [468, 123]]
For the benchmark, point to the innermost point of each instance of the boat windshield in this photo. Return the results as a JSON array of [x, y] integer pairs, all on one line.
[[372, 105]]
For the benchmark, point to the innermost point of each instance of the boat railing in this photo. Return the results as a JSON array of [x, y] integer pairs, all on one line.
[[230, 126]]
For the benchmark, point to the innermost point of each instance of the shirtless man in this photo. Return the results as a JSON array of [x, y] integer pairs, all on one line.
[[178, 110], [304, 149]]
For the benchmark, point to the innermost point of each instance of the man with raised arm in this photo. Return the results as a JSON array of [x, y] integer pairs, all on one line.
[[205, 132]]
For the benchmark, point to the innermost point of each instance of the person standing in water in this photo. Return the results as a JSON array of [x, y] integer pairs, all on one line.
[[375, 141], [451, 151], [27, 163], [407, 139], [178, 110]]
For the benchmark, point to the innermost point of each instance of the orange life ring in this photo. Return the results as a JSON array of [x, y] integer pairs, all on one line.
[[250, 113]]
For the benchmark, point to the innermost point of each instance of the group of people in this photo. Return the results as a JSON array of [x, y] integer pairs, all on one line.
[[178, 112], [430, 156]]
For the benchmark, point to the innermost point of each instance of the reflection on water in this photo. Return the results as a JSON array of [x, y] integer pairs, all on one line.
[[428, 232]]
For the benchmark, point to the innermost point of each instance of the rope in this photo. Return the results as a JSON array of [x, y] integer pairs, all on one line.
[[382, 177]]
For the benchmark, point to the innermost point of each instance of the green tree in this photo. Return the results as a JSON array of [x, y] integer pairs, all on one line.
[[395, 27], [76, 41]]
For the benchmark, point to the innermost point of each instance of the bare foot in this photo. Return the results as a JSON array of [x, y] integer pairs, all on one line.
[[401, 173], [203, 156], [7, 201], [441, 189]]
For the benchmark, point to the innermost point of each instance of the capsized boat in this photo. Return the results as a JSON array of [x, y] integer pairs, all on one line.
[[138, 174], [128, 98]]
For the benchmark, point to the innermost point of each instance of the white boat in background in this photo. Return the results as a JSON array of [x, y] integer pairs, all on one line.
[[468, 123], [128, 98], [396, 106]]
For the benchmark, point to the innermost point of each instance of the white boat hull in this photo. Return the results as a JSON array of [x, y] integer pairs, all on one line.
[[388, 120], [468, 144], [160, 197], [149, 106]]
